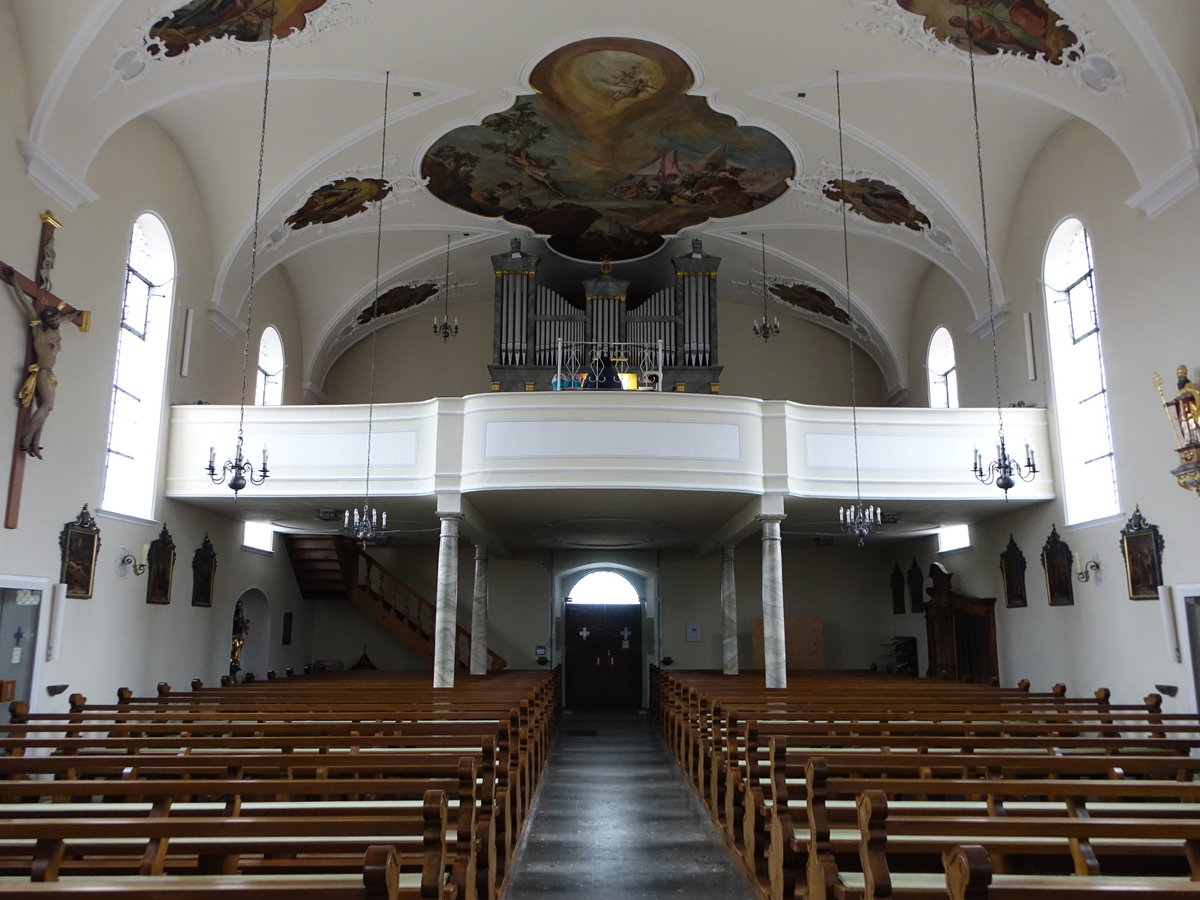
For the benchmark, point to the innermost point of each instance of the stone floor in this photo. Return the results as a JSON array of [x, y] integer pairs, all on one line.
[[615, 819]]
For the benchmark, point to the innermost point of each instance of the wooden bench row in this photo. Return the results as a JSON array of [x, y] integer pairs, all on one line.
[[316, 753], [780, 773]]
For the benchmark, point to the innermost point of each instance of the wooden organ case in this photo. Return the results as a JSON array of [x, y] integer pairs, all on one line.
[[961, 631], [530, 319]]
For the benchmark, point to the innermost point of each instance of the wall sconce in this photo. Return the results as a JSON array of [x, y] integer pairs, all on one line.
[[1084, 570], [127, 561]]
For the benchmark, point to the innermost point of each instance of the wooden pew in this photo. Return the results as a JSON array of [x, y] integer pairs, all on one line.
[[147, 842]]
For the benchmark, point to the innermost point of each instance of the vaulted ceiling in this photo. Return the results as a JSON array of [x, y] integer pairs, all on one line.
[[609, 129]]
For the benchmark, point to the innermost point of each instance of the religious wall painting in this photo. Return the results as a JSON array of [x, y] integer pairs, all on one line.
[[204, 571], [160, 565], [248, 21], [1056, 561], [396, 299], [810, 299], [611, 156], [916, 588], [338, 199], [897, 584], [1012, 569], [875, 199], [80, 543], [1029, 28], [1142, 548]]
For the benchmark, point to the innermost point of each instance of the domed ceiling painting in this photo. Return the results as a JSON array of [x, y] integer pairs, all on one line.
[[610, 156]]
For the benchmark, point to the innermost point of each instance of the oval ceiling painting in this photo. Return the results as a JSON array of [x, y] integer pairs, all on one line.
[[201, 21], [610, 156]]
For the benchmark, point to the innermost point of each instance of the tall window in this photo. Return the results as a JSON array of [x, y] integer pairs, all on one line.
[[135, 412], [268, 387], [943, 376], [1077, 365]]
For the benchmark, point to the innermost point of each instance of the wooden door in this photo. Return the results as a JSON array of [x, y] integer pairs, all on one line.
[[603, 665]]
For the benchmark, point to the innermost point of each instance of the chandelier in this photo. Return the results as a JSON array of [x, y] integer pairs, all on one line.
[[858, 520], [765, 329], [1001, 470], [367, 525], [445, 330], [239, 471]]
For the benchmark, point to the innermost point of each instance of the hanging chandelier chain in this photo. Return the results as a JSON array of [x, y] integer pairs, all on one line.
[[987, 257], [837, 75], [375, 302], [262, 146]]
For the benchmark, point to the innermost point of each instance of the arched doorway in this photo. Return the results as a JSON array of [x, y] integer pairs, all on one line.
[[603, 660], [256, 652]]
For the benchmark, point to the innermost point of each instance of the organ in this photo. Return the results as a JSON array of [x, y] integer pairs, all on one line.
[[542, 338]]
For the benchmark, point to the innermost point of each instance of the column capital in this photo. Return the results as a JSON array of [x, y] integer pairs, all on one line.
[[770, 517]]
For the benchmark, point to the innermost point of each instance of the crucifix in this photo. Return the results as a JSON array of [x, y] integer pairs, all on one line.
[[43, 312]]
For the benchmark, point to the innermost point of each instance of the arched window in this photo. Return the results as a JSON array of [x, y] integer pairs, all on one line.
[[135, 411], [268, 388], [943, 376], [604, 587], [1088, 471]]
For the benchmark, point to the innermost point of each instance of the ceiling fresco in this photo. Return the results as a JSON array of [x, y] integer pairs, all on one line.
[[814, 300], [610, 156], [338, 199], [249, 21], [878, 201], [401, 297], [1029, 28]]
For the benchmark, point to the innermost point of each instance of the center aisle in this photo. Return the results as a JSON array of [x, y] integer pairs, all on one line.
[[615, 819]]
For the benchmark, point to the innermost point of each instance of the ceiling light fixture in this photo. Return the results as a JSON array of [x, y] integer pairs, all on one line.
[[368, 524], [445, 330], [239, 470], [765, 329], [999, 471], [856, 520]]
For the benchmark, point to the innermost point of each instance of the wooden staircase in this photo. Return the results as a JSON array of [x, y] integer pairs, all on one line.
[[330, 567]]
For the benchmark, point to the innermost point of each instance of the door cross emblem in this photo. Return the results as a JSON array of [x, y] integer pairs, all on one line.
[[624, 632], [583, 632]]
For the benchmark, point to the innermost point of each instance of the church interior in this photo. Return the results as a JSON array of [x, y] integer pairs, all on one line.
[[840, 336]]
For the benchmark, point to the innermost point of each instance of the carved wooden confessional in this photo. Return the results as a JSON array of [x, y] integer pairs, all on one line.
[[531, 320], [961, 632]]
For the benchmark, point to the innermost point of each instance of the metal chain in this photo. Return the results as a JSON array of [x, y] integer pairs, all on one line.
[[846, 258], [375, 302], [987, 257], [262, 144]]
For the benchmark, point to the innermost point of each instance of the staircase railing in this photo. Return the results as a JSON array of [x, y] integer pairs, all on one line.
[[403, 603]]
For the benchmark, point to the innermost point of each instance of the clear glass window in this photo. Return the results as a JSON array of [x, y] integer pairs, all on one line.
[[943, 375], [268, 388], [139, 379], [1088, 470]]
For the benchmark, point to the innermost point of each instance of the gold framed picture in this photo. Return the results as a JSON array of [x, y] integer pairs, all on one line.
[[1142, 547], [161, 563], [80, 543]]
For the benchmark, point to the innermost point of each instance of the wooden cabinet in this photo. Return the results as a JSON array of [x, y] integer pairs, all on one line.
[[961, 632]]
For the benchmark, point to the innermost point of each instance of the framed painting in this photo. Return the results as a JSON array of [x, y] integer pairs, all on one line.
[[1142, 547], [161, 563], [916, 588], [1012, 568], [1056, 561], [80, 542], [204, 570], [897, 590]]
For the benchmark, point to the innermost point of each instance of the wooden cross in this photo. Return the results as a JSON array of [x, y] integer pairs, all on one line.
[[40, 297]]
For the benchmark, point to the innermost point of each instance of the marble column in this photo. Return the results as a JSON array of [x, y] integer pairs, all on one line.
[[445, 637], [729, 631], [479, 628], [774, 650]]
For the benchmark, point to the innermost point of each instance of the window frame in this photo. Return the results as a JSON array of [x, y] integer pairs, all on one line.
[[1063, 335], [945, 377]]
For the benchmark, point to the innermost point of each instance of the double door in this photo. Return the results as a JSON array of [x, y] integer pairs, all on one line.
[[603, 665]]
